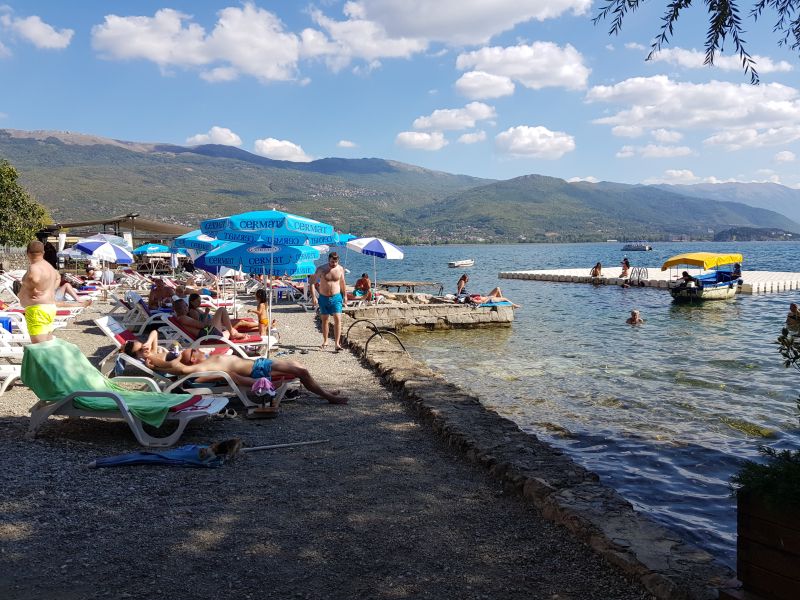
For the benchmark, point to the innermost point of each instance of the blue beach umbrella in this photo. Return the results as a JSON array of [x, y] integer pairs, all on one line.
[[196, 240], [281, 228], [260, 257], [151, 249], [104, 251]]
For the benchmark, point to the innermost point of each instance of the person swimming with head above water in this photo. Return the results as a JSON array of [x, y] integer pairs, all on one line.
[[635, 318]]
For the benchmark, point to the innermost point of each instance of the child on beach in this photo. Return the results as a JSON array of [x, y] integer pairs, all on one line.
[[261, 312]]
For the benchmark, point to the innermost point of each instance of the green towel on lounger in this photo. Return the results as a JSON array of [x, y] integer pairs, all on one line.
[[55, 369]]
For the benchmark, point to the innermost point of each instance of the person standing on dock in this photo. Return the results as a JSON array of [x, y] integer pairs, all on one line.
[[332, 288]]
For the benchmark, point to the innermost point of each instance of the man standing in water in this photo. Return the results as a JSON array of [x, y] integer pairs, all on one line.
[[332, 287], [38, 294]]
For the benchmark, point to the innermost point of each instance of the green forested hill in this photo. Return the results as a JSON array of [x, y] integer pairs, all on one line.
[[538, 208], [79, 176]]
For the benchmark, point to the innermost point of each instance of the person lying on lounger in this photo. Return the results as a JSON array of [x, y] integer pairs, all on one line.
[[496, 295], [204, 315], [243, 371], [65, 291], [219, 325]]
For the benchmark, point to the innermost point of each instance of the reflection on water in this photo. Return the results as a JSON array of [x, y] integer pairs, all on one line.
[[663, 412]]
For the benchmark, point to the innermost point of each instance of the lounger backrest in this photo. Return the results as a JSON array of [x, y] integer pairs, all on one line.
[[114, 330]]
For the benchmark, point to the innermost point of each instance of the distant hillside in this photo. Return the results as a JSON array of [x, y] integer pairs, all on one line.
[[752, 234], [538, 208], [771, 196], [80, 176]]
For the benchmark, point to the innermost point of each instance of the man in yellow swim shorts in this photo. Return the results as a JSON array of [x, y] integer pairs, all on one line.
[[38, 294]]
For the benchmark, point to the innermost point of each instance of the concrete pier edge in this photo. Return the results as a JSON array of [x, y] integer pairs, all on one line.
[[563, 491]]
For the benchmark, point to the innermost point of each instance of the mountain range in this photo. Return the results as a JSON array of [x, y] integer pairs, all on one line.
[[79, 176]]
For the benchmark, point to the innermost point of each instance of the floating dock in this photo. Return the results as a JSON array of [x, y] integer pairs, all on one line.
[[755, 282]]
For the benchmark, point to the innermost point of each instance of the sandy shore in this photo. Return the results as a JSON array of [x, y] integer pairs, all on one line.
[[381, 510]]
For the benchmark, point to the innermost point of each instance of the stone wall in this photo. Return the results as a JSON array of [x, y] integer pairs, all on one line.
[[565, 492], [11, 260], [398, 316]]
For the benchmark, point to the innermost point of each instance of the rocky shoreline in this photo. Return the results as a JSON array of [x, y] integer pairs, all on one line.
[[383, 509]]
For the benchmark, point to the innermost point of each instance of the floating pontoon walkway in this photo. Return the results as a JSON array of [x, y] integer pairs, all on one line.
[[755, 282]]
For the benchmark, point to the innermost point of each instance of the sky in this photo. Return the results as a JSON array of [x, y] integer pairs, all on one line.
[[494, 89]]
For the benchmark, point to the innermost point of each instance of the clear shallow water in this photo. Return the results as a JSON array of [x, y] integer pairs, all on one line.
[[663, 412]]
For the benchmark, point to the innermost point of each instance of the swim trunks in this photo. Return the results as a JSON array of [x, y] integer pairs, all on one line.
[[262, 367], [40, 318], [330, 305], [358, 293]]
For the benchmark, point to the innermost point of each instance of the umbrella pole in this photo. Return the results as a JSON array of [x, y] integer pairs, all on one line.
[[269, 314], [375, 270]]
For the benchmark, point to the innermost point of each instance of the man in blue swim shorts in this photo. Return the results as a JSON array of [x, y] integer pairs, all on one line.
[[329, 282]]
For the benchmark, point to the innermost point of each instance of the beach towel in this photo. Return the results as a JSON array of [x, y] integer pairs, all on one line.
[[185, 456], [56, 368]]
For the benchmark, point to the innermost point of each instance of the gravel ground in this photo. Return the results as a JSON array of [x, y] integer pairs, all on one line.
[[381, 510]]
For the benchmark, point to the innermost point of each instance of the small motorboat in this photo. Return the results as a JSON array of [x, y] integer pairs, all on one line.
[[720, 279], [637, 247], [455, 264]]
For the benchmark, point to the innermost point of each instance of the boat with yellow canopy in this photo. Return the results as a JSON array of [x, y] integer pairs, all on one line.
[[720, 279]]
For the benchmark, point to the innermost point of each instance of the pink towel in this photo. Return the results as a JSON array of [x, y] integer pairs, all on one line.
[[262, 387]]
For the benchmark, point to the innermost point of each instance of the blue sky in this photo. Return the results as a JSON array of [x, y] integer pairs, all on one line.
[[492, 89]]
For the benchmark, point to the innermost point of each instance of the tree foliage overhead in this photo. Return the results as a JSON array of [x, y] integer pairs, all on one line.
[[724, 21], [21, 217]]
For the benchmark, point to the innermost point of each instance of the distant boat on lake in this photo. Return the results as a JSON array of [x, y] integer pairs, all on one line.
[[454, 264], [637, 247]]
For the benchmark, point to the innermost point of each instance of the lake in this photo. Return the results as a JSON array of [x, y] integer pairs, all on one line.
[[663, 412]]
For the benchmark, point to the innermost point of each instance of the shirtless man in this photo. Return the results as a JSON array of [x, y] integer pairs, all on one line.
[[38, 294], [635, 318], [219, 325], [243, 371], [332, 288]]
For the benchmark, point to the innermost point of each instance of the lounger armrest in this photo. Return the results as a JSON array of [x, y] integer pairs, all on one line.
[[218, 374], [216, 341], [133, 379]]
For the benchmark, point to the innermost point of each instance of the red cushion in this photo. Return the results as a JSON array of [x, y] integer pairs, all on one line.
[[190, 402]]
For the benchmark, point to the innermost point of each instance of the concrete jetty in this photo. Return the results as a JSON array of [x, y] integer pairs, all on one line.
[[755, 282]]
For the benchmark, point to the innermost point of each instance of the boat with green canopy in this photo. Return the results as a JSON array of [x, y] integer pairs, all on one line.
[[720, 277]]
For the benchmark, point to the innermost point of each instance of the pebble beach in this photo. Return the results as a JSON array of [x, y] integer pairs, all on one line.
[[381, 509]]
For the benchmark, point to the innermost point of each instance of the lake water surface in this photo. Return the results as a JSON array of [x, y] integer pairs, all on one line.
[[663, 412]]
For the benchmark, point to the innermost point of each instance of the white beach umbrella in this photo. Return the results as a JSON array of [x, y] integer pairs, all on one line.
[[376, 248]]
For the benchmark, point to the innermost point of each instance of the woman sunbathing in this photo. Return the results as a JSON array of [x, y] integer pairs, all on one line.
[[496, 295], [219, 325]]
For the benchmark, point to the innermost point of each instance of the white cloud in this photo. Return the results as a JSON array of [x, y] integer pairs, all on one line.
[[459, 21], [737, 139], [675, 176], [215, 135], [4, 51], [357, 38], [626, 131], [754, 115], [665, 136], [653, 151], [455, 118], [472, 138], [280, 150], [346, 144], [37, 32], [480, 85], [417, 140], [784, 156], [245, 40], [534, 142], [634, 46], [536, 66], [694, 59], [587, 179]]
